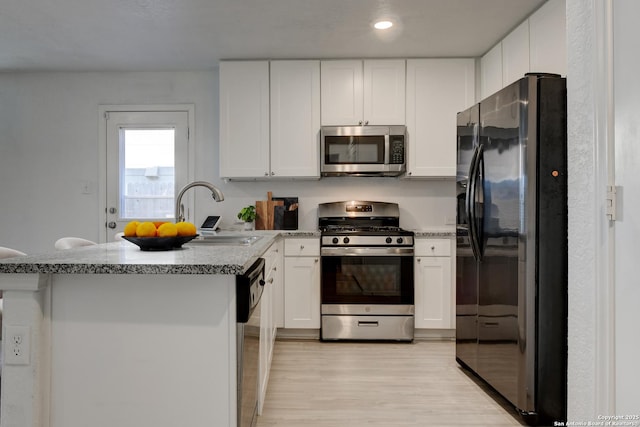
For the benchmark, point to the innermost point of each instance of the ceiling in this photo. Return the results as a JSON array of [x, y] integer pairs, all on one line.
[[136, 35]]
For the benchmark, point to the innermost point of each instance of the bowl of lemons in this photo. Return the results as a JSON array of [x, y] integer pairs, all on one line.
[[159, 236]]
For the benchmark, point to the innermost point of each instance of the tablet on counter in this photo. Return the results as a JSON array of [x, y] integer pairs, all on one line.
[[211, 224]]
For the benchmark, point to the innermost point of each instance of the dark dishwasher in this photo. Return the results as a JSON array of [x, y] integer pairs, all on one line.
[[248, 293]]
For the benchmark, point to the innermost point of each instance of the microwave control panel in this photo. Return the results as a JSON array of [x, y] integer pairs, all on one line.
[[396, 148]]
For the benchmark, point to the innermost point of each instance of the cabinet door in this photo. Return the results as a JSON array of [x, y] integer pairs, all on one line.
[[244, 119], [341, 92], [548, 38], [295, 118], [515, 54], [491, 71], [302, 292], [433, 299], [437, 89], [277, 270], [266, 342], [384, 92]]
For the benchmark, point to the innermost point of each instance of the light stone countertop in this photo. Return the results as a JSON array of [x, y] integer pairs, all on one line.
[[446, 231], [126, 258]]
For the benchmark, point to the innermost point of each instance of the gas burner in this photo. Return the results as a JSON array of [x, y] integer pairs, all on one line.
[[373, 224]]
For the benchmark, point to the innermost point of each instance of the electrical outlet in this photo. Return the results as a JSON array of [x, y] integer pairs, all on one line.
[[17, 344]]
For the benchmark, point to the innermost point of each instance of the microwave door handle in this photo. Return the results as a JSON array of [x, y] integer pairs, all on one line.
[[386, 149]]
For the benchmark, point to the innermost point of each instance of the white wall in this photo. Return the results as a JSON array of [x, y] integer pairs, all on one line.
[[627, 226], [591, 326], [49, 146]]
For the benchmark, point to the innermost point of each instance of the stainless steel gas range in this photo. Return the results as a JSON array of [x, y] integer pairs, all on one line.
[[367, 290]]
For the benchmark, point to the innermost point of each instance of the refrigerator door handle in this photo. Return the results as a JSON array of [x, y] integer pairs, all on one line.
[[478, 201], [471, 203]]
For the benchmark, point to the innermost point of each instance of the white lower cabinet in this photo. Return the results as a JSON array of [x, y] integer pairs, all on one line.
[[302, 283], [434, 299], [270, 310]]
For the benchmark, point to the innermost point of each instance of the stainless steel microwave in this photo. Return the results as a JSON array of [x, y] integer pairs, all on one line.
[[362, 150]]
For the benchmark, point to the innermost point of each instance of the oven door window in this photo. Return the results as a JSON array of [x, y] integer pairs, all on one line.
[[345, 150], [367, 280]]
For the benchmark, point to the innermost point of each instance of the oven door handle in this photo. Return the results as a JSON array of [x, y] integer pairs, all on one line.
[[367, 251]]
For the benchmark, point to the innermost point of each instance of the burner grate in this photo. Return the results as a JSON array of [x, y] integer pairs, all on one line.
[[359, 229]]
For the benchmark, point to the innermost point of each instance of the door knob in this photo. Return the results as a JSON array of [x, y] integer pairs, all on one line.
[[112, 210], [112, 224]]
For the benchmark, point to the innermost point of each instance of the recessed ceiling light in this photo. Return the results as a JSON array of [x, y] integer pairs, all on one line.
[[383, 25]]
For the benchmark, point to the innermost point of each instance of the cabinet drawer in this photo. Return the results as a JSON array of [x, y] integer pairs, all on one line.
[[302, 247], [433, 247]]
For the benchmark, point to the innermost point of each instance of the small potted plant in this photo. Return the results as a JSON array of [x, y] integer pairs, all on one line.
[[248, 215]]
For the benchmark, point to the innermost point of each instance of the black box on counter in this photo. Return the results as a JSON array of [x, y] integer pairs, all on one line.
[[286, 216]]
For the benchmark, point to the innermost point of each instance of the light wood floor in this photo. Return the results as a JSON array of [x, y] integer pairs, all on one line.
[[316, 384]]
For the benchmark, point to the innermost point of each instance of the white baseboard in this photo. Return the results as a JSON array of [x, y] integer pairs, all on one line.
[[314, 334]]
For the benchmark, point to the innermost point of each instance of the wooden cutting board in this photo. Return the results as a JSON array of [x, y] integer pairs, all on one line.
[[265, 212]]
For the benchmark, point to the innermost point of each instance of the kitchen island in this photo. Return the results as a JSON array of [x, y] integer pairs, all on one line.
[[110, 335]]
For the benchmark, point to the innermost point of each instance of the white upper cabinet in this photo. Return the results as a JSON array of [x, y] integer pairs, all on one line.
[[384, 92], [295, 118], [491, 71], [437, 89], [515, 54], [538, 45], [356, 92], [341, 92], [269, 119], [244, 119], [548, 38]]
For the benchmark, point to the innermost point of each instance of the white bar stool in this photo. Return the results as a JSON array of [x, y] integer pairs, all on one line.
[[72, 242]]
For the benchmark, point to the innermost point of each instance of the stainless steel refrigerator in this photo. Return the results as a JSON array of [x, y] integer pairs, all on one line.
[[511, 271]]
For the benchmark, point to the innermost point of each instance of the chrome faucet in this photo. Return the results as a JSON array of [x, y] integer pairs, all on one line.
[[215, 193]]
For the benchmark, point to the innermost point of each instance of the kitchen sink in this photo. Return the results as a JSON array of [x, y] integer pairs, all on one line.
[[234, 240]]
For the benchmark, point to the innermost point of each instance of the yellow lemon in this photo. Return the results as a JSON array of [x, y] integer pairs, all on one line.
[[167, 230], [186, 228], [130, 229], [158, 223], [146, 229]]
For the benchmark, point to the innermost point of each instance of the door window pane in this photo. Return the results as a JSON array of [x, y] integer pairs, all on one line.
[[147, 173]]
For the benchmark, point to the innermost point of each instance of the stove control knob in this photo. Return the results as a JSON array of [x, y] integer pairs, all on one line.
[[400, 240], [389, 240], [345, 240], [335, 240]]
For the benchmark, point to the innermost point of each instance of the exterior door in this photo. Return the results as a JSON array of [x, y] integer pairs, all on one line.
[[147, 156]]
